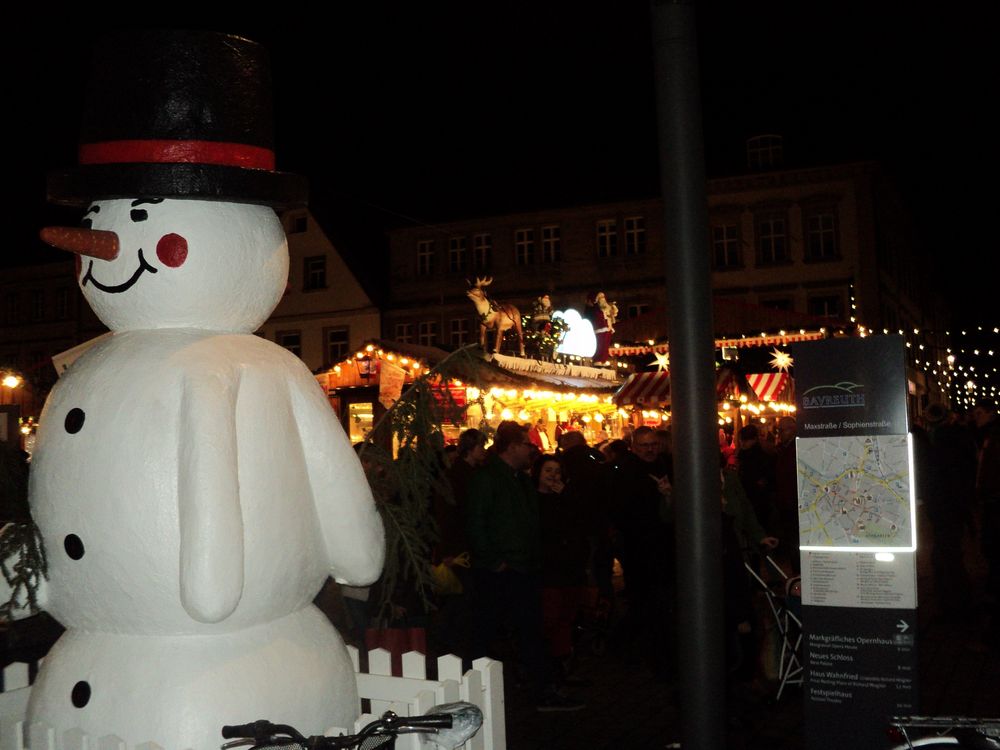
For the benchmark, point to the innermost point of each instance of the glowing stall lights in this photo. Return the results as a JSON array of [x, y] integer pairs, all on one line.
[[472, 393], [506, 414], [11, 381]]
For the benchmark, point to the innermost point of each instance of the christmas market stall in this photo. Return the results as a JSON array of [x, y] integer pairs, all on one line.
[[745, 392], [475, 389]]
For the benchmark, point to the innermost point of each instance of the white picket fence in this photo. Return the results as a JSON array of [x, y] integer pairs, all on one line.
[[408, 695]]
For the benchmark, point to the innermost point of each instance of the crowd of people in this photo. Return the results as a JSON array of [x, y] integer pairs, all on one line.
[[531, 538], [957, 459]]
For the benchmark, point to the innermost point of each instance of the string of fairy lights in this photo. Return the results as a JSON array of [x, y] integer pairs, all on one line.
[[962, 362]]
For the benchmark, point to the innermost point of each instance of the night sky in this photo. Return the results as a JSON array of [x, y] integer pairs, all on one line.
[[405, 115]]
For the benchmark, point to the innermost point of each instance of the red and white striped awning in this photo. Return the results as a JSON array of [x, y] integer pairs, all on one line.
[[653, 388], [649, 388], [768, 385]]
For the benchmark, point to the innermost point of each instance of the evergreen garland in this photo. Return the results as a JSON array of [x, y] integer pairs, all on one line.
[[539, 341], [22, 553]]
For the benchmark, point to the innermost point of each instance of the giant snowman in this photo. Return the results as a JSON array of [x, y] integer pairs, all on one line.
[[192, 485]]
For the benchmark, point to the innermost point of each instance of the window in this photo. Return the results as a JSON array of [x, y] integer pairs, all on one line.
[[635, 235], [314, 275], [607, 238], [291, 340], [821, 236], [825, 306], [634, 311], [459, 335], [337, 340], [425, 257], [37, 304], [482, 250], [764, 151], [404, 333], [298, 224], [772, 240], [524, 247], [777, 303], [726, 246], [12, 306], [428, 333], [551, 244], [62, 303], [457, 256]]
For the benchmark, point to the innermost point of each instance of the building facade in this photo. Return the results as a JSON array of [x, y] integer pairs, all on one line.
[[820, 246], [325, 314]]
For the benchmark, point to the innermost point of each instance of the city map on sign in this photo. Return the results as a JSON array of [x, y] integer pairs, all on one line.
[[855, 493]]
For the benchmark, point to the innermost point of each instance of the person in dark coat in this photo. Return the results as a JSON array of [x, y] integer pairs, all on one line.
[[565, 553], [949, 484], [504, 533], [643, 514], [756, 469]]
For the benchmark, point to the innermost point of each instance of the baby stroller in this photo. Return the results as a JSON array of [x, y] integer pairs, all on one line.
[[784, 598]]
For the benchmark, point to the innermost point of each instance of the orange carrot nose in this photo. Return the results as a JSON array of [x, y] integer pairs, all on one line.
[[96, 243]]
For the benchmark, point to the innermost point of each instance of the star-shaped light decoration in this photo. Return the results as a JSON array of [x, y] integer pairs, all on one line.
[[662, 361], [781, 360]]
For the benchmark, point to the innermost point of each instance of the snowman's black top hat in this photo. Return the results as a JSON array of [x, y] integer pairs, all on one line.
[[178, 114]]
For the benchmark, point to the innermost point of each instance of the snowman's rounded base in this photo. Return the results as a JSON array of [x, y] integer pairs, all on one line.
[[178, 691]]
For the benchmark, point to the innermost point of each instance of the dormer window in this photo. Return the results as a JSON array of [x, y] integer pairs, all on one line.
[[764, 152]]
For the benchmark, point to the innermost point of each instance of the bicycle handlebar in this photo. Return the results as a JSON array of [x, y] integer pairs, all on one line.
[[450, 725], [429, 721], [235, 731]]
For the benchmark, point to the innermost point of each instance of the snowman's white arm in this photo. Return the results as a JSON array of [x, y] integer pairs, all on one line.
[[351, 527], [208, 497]]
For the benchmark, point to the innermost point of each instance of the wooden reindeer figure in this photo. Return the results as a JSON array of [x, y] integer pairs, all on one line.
[[493, 315]]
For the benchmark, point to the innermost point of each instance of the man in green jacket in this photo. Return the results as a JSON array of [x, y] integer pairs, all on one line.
[[503, 531]]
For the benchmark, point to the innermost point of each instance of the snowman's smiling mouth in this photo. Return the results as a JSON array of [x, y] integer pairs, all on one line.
[[125, 285]]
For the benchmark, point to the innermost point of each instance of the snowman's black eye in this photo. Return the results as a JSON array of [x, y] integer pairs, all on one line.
[[87, 222], [140, 214]]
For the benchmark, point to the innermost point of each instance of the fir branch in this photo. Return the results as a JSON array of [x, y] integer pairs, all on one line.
[[22, 552], [404, 489], [23, 565]]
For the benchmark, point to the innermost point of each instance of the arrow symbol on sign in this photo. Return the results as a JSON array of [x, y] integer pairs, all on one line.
[[902, 626]]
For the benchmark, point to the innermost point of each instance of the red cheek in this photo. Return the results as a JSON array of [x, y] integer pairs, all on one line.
[[172, 250]]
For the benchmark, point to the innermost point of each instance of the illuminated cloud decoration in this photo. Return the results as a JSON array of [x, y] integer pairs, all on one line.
[[580, 339]]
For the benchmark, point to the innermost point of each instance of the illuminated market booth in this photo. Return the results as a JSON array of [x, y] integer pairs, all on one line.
[[743, 397], [490, 388]]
